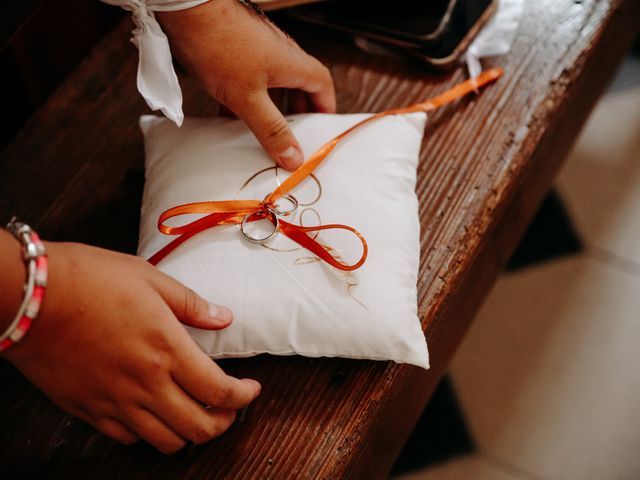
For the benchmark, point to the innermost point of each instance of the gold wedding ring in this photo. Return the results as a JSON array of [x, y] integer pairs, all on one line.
[[259, 240], [283, 212]]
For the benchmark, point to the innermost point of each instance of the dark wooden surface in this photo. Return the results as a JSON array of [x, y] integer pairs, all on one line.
[[486, 164], [41, 42]]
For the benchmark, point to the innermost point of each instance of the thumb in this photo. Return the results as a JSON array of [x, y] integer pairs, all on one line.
[[189, 307], [270, 128]]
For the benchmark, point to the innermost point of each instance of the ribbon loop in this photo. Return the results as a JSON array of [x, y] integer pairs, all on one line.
[[299, 235], [220, 212]]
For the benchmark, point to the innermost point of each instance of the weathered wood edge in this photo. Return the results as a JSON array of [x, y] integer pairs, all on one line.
[[558, 122]]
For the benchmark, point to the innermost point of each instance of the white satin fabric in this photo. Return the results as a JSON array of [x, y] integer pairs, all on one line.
[[157, 80]]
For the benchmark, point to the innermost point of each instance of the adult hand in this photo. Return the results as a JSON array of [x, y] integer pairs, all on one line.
[[236, 55], [109, 348]]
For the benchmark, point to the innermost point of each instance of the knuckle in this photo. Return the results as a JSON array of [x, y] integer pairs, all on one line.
[[160, 346], [137, 372], [205, 432], [232, 416], [150, 369], [237, 96], [114, 431], [170, 446], [228, 417], [138, 260], [155, 365], [192, 303], [222, 395], [75, 408], [327, 75], [276, 130], [221, 93], [129, 440]]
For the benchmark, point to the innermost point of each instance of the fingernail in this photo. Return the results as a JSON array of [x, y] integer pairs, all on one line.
[[256, 385], [290, 158], [220, 313]]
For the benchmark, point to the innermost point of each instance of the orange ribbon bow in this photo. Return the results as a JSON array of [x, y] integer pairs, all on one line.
[[228, 212]]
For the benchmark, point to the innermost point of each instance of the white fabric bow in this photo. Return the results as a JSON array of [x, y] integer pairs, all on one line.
[[157, 81], [496, 37]]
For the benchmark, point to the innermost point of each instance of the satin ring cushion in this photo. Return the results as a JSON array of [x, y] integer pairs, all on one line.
[[284, 299]]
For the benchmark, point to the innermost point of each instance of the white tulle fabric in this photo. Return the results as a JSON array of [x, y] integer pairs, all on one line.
[[157, 80]]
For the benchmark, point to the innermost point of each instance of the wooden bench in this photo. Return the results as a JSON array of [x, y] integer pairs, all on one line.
[[486, 164]]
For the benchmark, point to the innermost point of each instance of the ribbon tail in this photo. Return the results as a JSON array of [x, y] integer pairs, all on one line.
[[170, 247], [299, 235], [189, 231], [445, 98]]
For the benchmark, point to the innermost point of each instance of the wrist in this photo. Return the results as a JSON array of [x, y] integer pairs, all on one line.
[[44, 329], [13, 278], [34, 258], [202, 24]]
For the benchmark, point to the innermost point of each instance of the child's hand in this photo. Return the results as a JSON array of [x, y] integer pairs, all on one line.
[[109, 348], [236, 56]]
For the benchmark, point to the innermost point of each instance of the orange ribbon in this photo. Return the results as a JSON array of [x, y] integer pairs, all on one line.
[[228, 212]]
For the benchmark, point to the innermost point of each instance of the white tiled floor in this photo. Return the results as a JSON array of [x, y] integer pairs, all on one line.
[[549, 375], [472, 467], [601, 179]]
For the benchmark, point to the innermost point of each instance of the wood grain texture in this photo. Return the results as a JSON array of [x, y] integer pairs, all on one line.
[[486, 164], [41, 42]]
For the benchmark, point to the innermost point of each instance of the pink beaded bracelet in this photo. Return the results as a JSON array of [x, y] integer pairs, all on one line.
[[35, 258]]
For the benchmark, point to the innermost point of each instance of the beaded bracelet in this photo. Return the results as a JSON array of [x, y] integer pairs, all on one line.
[[35, 258]]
